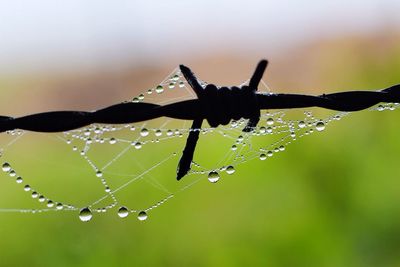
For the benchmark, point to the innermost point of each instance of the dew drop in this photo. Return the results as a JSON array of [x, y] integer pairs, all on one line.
[[6, 167], [213, 176], [144, 132], [269, 130], [85, 215], [34, 194], [263, 130], [59, 206], [142, 216], [171, 85], [320, 126], [234, 147], [12, 173], [270, 121], [50, 204], [159, 89], [42, 198], [19, 180], [282, 148], [263, 156], [141, 96], [302, 124], [270, 153], [99, 174], [138, 145], [230, 169], [380, 108], [123, 212], [113, 141], [158, 132], [240, 138], [181, 84], [27, 188]]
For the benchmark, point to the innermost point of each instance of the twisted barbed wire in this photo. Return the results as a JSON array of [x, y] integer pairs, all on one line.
[[217, 105]]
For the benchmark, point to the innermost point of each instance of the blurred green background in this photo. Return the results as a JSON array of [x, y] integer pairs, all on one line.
[[328, 200]]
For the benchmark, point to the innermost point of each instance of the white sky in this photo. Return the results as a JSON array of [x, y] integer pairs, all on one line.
[[51, 34]]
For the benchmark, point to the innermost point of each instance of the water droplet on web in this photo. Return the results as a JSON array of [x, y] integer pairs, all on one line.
[[19, 180], [6, 167], [144, 132], [113, 141], [234, 147], [270, 153], [170, 132], [181, 84], [50, 203], [138, 145], [230, 169], [59, 206], [85, 215], [282, 148], [171, 85], [12, 173], [158, 132], [380, 108], [41, 198], [240, 138], [99, 174], [34, 194], [123, 212], [141, 96], [263, 156], [302, 124], [142, 216], [213, 176], [27, 188], [159, 89], [270, 121], [269, 130], [320, 126]]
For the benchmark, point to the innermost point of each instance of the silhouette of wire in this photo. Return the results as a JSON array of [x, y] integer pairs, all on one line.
[[217, 105]]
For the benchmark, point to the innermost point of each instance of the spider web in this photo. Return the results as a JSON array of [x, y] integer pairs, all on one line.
[[131, 169]]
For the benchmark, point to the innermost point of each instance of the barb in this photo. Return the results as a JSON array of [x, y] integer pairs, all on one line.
[[217, 105]]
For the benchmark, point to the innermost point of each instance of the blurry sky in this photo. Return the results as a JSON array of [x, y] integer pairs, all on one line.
[[50, 35]]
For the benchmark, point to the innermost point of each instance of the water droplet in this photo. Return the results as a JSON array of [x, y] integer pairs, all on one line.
[[142, 216], [141, 96], [269, 130], [230, 169], [270, 153], [181, 84], [158, 133], [380, 108], [171, 85], [144, 132], [234, 147], [34, 194], [42, 198], [123, 212], [27, 188], [263, 130], [175, 77], [138, 145], [85, 215], [59, 206], [12, 173], [159, 89], [302, 124], [135, 100], [149, 92], [240, 138], [263, 156], [50, 203], [213, 176], [19, 180], [107, 189], [113, 141], [6, 167], [320, 126], [99, 174], [282, 148], [270, 121]]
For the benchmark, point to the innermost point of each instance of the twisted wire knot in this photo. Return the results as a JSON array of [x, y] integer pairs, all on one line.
[[221, 105]]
